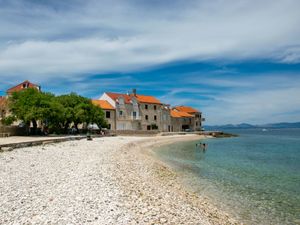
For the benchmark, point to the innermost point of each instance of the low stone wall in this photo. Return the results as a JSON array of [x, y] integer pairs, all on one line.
[[136, 132], [180, 133], [24, 144], [13, 130]]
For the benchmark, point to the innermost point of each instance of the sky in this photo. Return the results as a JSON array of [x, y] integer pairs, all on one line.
[[236, 61]]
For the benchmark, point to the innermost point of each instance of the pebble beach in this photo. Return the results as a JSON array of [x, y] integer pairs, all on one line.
[[111, 180]]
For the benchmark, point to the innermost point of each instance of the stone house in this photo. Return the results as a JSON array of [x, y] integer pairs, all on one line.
[[138, 112], [181, 121], [4, 111], [126, 110], [142, 112], [24, 85], [150, 112], [109, 112], [166, 119], [196, 122]]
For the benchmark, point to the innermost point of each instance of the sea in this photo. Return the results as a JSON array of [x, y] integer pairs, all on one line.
[[254, 177]]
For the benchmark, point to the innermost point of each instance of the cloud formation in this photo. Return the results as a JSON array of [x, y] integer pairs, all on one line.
[[98, 45], [46, 39]]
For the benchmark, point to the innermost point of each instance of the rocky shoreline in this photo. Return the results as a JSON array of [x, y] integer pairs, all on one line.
[[113, 180]]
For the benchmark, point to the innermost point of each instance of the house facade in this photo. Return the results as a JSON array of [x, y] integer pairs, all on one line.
[[194, 115], [166, 119], [4, 99], [139, 112], [126, 110], [142, 112], [109, 112], [22, 86], [150, 112], [181, 121]]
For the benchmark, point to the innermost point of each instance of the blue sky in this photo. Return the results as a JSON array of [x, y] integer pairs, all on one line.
[[236, 61]]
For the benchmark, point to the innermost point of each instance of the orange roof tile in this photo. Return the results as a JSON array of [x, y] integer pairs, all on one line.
[[187, 109], [103, 104], [147, 99], [20, 86], [115, 96], [180, 114], [140, 98]]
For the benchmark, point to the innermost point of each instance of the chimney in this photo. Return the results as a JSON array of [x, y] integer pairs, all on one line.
[[134, 91]]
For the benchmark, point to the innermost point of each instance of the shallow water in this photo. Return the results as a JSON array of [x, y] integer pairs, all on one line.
[[255, 177]]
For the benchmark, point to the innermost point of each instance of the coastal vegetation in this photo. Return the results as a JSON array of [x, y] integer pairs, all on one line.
[[55, 114]]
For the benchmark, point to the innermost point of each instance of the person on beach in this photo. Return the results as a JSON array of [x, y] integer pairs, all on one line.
[[204, 146]]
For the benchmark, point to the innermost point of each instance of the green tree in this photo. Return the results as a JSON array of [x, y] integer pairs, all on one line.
[[97, 116], [74, 109], [55, 112], [30, 106]]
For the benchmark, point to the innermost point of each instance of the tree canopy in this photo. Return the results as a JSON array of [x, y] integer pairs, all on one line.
[[57, 113]]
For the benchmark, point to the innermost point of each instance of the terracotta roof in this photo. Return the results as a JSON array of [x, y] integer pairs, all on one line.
[[179, 114], [103, 104], [140, 98], [147, 99], [20, 86], [187, 109], [115, 96]]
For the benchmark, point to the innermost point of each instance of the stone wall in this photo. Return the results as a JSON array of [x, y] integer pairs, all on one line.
[[136, 132], [13, 130], [153, 113], [112, 119]]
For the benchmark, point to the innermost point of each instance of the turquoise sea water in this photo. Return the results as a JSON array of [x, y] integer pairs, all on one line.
[[255, 177]]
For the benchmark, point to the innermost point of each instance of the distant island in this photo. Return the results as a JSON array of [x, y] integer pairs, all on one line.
[[250, 126]]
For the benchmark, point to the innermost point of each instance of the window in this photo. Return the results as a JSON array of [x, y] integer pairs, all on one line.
[[155, 117], [196, 123], [148, 127], [146, 106], [107, 114], [146, 117], [121, 113], [109, 126], [134, 115], [154, 107]]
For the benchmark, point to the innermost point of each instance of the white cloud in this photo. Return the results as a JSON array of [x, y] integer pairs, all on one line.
[[258, 99], [259, 107], [45, 41]]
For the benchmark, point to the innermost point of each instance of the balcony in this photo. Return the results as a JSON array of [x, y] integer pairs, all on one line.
[[136, 117]]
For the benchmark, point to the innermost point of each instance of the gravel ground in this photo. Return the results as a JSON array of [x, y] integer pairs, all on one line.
[[113, 180]]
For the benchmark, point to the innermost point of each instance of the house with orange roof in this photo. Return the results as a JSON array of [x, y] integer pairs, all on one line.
[[22, 86], [109, 112], [127, 112], [143, 112], [186, 118], [139, 112], [3, 99], [154, 114]]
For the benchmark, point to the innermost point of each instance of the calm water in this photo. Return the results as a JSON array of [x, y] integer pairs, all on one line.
[[255, 177]]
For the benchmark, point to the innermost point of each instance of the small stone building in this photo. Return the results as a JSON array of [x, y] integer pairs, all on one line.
[[109, 112]]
